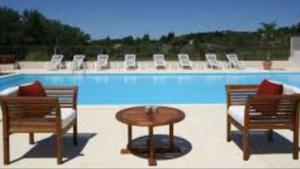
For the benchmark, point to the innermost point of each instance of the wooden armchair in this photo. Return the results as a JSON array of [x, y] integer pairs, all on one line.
[[248, 111], [56, 113]]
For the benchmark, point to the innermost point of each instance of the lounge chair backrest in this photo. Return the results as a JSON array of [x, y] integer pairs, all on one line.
[[211, 58], [78, 59], [159, 58], [130, 59], [56, 59], [102, 58], [183, 58], [233, 58]]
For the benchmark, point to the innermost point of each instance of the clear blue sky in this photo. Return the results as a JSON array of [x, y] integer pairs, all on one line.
[[119, 18]]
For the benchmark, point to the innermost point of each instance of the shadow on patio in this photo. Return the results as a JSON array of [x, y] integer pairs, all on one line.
[[162, 145], [45, 148], [259, 143]]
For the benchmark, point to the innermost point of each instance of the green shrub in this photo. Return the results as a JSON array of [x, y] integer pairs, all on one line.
[[37, 56]]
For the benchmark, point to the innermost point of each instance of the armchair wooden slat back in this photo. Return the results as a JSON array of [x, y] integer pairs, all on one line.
[[34, 114], [67, 96], [16, 108], [239, 94]]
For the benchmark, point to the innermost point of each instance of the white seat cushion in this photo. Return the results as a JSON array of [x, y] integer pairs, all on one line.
[[12, 91], [237, 113], [67, 115]]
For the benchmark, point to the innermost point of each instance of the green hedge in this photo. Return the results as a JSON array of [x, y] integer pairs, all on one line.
[[145, 52]]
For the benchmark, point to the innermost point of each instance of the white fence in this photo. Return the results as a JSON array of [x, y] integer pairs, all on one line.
[[294, 58]]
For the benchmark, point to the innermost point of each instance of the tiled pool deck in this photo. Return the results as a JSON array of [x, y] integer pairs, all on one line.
[[101, 137]]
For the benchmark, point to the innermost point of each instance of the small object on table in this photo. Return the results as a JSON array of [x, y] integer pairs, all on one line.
[[151, 110]]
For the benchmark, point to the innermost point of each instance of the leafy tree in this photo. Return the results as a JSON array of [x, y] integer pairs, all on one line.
[[129, 40], [10, 26], [267, 34], [33, 28], [146, 38]]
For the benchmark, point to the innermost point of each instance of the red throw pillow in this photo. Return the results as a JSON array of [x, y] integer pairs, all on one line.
[[269, 88], [35, 90]]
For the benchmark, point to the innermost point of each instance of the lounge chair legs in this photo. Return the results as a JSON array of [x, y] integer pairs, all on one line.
[[296, 145], [228, 135], [59, 148], [270, 135], [246, 152], [6, 149], [75, 142], [31, 138]]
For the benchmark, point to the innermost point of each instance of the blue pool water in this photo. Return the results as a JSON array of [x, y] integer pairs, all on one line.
[[151, 88]]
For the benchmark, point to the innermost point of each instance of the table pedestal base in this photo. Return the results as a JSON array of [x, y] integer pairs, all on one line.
[[151, 149]]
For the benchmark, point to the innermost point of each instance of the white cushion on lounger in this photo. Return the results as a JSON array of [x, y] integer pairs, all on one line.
[[67, 115], [237, 113], [12, 91]]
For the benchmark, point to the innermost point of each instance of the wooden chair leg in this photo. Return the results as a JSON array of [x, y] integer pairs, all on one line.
[[228, 132], [270, 135], [75, 141], [296, 144], [6, 149], [31, 138], [246, 152], [59, 148]]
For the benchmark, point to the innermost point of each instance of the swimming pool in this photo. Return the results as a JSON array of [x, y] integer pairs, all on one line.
[[150, 88]]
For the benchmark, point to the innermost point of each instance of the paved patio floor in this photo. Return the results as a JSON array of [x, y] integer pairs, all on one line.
[[201, 135]]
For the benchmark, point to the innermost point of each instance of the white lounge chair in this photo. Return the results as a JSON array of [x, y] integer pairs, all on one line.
[[55, 62], [212, 61], [130, 61], [77, 62], [159, 61], [234, 62], [102, 61], [184, 61]]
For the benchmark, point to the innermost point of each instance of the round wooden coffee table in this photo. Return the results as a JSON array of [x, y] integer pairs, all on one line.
[[144, 117]]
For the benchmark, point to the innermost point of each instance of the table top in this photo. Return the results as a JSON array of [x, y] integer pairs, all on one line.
[[140, 116]]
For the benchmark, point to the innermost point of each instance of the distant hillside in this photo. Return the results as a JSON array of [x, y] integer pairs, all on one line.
[[32, 36], [257, 45]]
